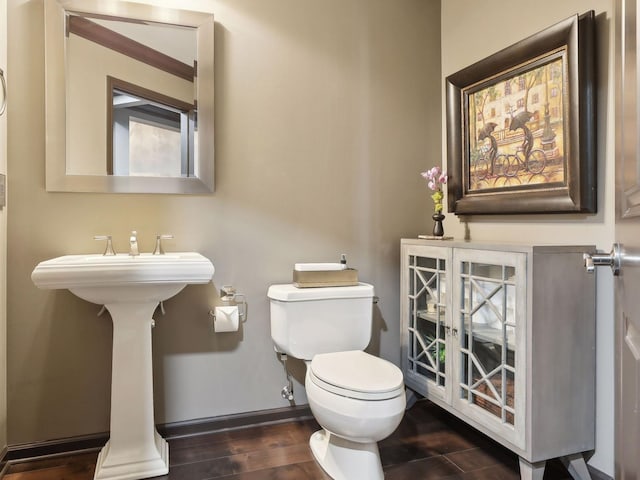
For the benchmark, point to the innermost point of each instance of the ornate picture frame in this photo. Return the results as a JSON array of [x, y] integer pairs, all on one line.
[[521, 126]]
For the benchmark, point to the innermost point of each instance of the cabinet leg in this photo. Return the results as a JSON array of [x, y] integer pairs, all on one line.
[[577, 466], [411, 396], [531, 471]]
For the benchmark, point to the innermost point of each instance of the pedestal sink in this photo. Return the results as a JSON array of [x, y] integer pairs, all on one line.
[[130, 287]]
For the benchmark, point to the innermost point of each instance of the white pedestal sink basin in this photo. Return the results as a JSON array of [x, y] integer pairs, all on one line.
[[130, 287]]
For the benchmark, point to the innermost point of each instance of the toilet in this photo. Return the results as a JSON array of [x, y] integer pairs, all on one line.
[[358, 399]]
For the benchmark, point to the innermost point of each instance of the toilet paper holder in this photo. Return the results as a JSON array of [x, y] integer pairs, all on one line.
[[230, 298]]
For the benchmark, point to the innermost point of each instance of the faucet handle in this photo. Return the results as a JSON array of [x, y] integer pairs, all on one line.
[[159, 250], [109, 248]]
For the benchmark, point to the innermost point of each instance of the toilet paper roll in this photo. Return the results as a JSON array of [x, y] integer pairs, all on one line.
[[227, 319]]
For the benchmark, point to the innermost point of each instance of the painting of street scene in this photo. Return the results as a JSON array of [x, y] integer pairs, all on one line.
[[516, 131]]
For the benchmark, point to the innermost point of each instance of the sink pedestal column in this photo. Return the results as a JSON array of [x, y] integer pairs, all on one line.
[[135, 450]]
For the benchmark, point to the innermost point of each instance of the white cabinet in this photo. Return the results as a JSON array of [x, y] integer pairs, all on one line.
[[503, 336]]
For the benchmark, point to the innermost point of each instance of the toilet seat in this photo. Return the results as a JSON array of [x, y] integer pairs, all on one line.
[[356, 374]]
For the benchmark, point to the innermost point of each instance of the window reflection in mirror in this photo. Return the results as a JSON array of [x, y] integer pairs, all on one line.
[[149, 134], [149, 70]]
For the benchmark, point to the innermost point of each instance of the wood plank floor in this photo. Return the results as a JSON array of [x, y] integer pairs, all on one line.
[[429, 444]]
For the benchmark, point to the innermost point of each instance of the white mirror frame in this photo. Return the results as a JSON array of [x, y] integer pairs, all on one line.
[[57, 179]]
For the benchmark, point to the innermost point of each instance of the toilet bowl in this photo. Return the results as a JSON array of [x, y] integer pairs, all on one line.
[[358, 400]]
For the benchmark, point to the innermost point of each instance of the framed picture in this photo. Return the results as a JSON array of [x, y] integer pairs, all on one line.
[[521, 126]]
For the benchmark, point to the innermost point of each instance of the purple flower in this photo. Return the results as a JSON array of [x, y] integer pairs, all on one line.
[[435, 178]]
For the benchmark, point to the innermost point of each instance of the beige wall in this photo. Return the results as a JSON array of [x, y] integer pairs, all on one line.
[[326, 113], [472, 31], [3, 244]]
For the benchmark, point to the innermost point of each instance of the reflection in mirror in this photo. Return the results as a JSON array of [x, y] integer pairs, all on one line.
[[149, 134], [137, 98]]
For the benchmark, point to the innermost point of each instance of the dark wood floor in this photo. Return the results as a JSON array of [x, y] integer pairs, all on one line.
[[429, 444]]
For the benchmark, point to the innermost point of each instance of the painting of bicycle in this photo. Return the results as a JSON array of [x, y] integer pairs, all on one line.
[[521, 128], [518, 126]]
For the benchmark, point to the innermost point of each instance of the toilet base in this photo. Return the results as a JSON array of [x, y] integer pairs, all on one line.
[[343, 459]]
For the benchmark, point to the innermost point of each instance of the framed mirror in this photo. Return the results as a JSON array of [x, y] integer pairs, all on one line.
[[129, 98]]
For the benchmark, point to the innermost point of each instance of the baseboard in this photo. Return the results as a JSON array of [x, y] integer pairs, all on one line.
[[84, 443], [60, 446], [237, 420]]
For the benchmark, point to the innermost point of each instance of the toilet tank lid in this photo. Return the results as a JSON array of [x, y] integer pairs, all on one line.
[[289, 293]]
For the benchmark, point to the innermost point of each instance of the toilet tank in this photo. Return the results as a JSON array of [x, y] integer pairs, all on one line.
[[308, 321]]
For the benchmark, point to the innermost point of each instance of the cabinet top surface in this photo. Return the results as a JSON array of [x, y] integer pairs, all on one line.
[[502, 246]]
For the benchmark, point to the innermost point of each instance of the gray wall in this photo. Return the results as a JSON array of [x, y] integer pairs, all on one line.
[[326, 113], [472, 31]]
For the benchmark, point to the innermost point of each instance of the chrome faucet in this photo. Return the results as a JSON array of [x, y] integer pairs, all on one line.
[[133, 242]]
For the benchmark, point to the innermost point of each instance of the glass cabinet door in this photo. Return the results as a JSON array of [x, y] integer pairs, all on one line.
[[426, 349], [487, 328]]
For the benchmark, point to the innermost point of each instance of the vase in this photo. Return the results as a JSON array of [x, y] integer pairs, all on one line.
[[438, 229]]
